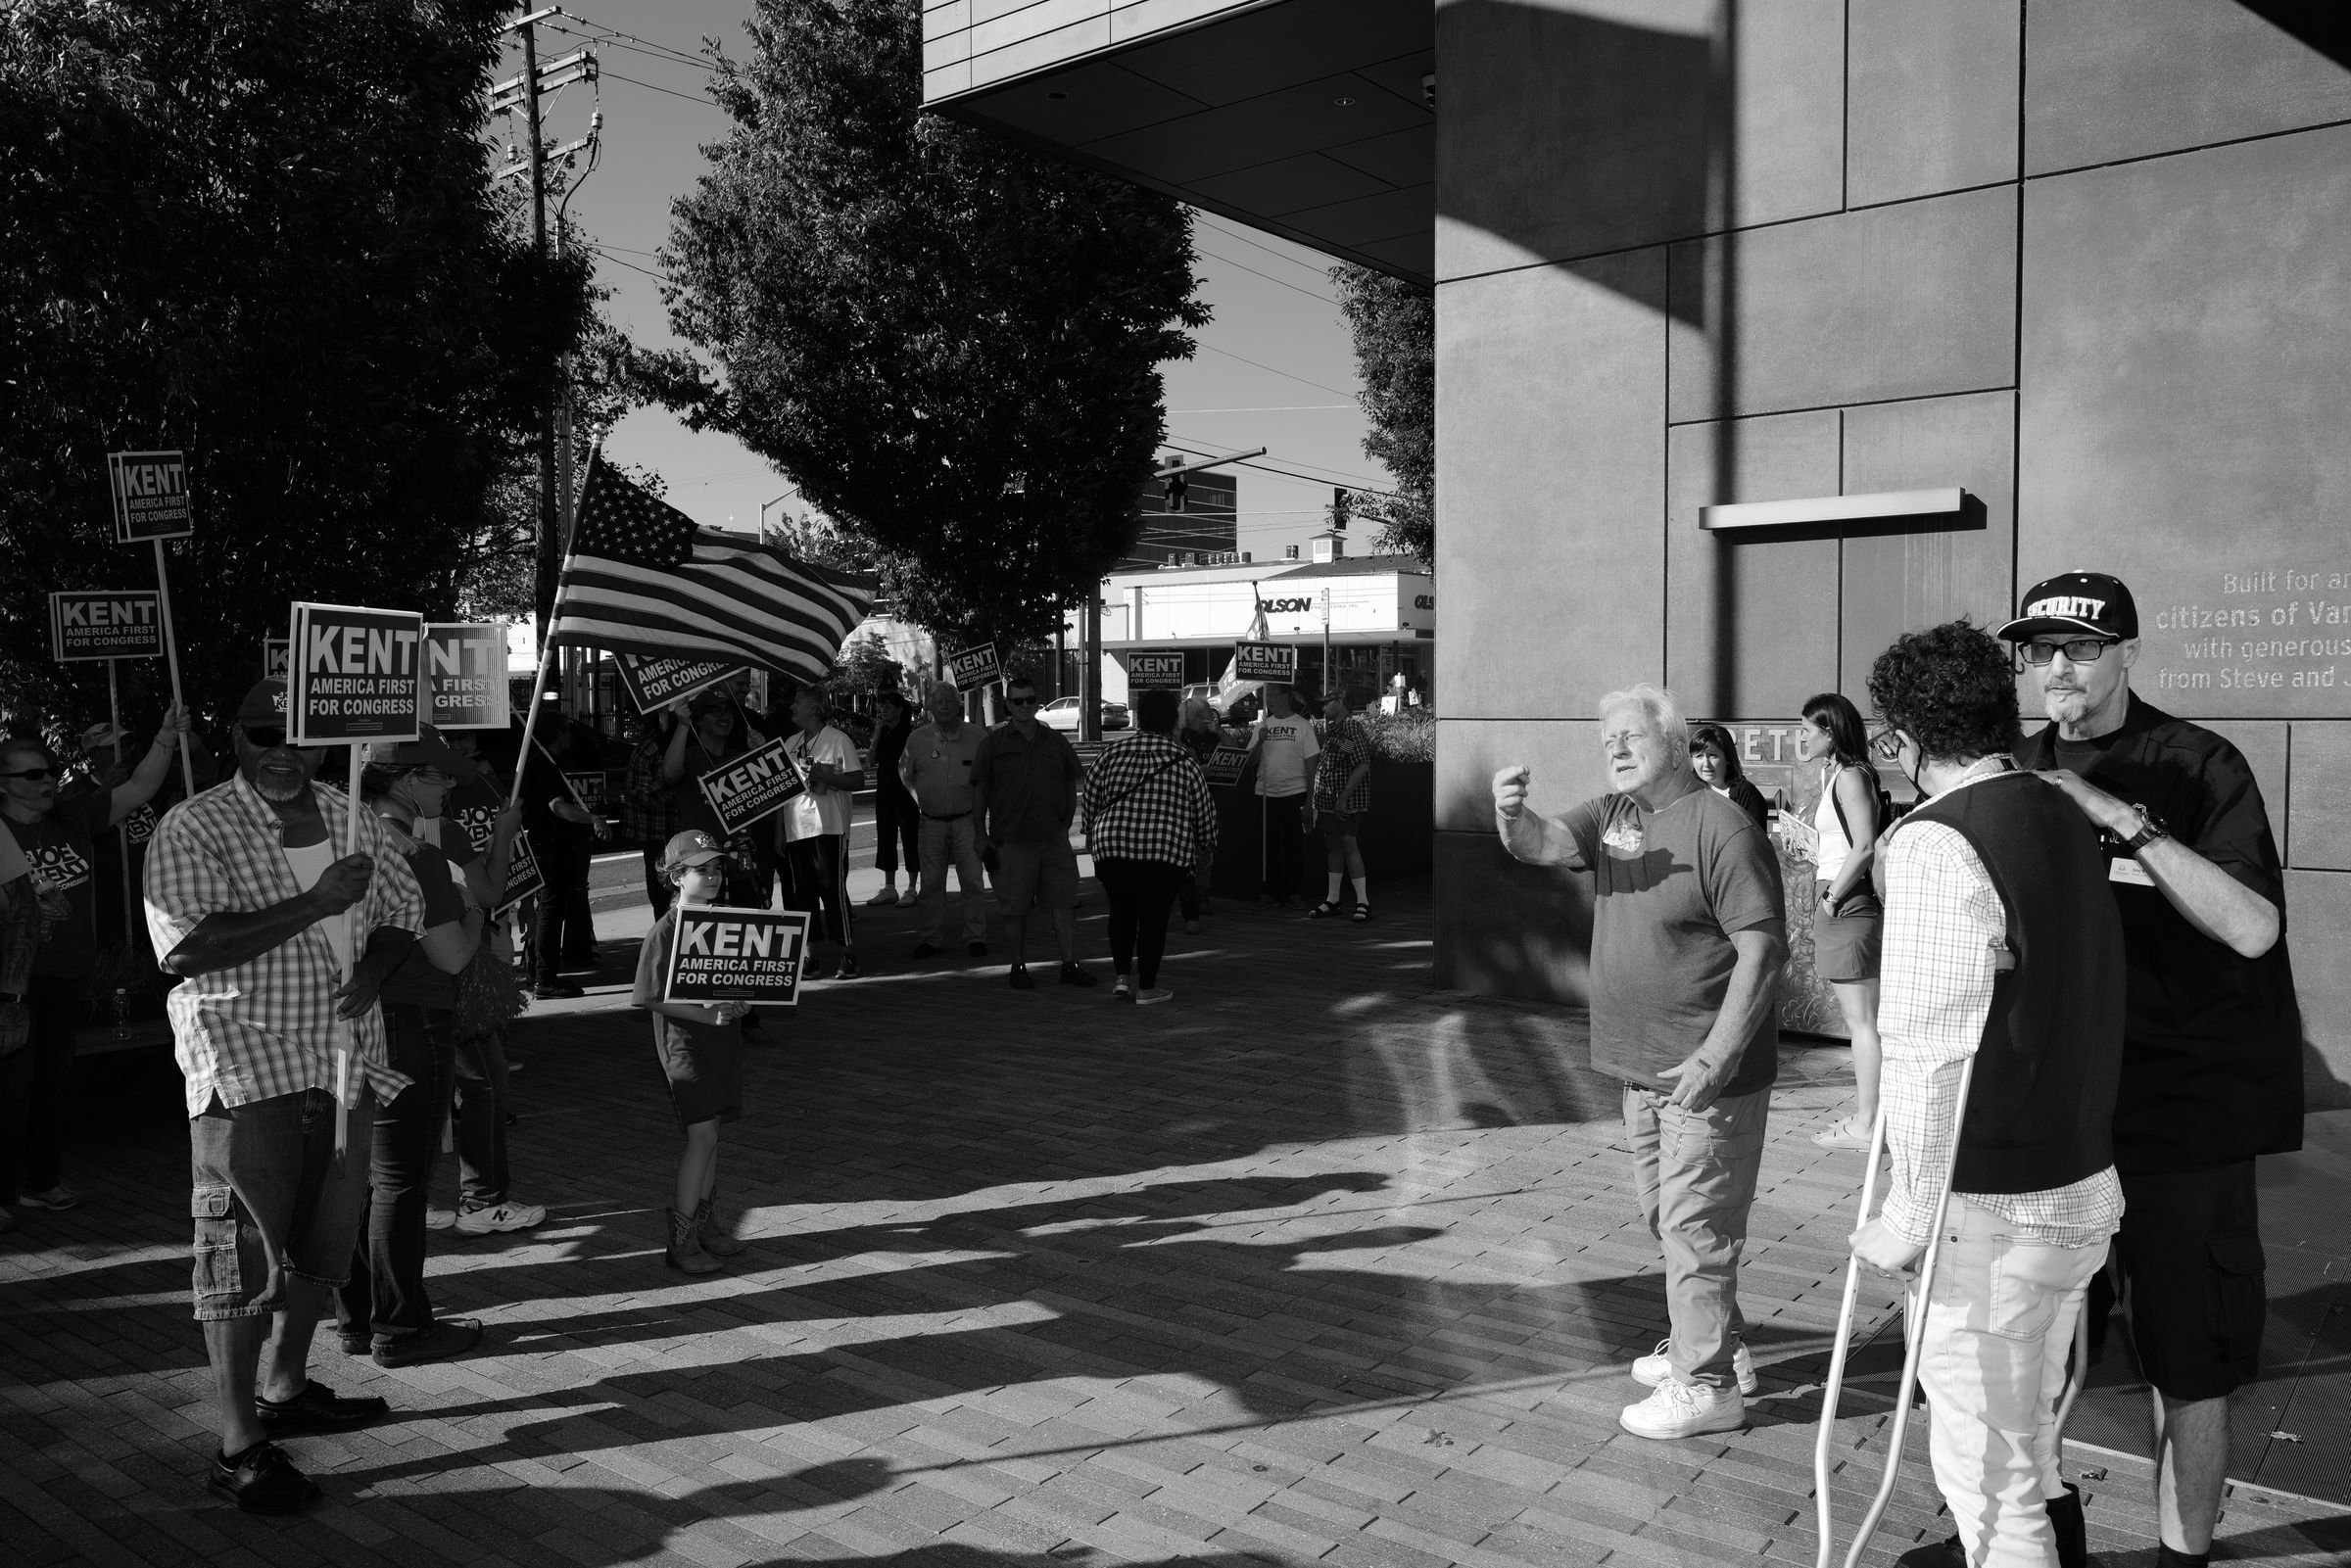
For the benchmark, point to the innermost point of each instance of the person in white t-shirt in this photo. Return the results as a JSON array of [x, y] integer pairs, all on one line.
[[1287, 755], [815, 830]]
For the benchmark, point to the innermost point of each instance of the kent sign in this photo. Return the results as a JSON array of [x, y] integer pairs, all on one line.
[[736, 954], [974, 668], [466, 673], [108, 625], [654, 684], [1225, 764], [751, 786], [151, 496], [1276, 662], [1159, 672], [523, 877], [355, 675]]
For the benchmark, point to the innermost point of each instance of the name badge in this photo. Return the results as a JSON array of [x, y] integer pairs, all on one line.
[[1624, 837], [2126, 869]]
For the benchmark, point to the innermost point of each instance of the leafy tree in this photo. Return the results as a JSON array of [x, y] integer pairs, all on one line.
[[1395, 328], [947, 341], [867, 669], [261, 231]]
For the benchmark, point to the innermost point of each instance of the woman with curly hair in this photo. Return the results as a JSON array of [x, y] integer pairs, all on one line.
[[1845, 916]]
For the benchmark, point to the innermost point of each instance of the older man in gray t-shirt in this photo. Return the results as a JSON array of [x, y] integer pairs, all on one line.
[[1687, 935]]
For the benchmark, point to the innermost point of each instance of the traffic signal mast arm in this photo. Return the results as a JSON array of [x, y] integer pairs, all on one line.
[[1173, 469]]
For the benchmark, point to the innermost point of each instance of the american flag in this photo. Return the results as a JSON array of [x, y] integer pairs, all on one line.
[[643, 579]]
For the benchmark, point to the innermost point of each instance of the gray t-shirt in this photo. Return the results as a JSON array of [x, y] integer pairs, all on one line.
[[1669, 889]]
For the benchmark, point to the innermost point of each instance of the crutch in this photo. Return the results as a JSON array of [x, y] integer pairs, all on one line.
[[1914, 1315]]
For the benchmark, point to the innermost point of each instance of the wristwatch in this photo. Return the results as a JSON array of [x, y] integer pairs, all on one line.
[[2150, 828]]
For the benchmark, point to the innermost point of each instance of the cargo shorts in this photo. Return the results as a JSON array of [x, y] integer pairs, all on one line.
[[267, 1201]]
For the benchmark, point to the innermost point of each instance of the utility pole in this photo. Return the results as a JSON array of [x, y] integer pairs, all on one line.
[[1089, 676]]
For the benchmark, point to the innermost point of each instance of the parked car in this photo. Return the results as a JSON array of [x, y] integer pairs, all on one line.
[[1063, 713]]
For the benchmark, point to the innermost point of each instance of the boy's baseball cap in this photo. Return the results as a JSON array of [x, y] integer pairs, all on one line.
[[693, 848], [2074, 603]]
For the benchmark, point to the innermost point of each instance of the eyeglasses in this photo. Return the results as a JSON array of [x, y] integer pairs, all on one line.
[[264, 736], [31, 775], [2078, 650], [1029, 701], [1886, 743]]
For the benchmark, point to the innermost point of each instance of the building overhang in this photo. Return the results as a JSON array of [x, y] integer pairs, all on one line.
[[1313, 120]]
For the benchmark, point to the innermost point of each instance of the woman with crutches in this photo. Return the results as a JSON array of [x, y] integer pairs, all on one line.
[[2001, 1010]]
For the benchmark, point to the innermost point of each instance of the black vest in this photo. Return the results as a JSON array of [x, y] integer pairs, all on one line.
[[2041, 1107]]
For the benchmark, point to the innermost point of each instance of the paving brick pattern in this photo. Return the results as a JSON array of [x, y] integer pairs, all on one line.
[[1315, 1264]]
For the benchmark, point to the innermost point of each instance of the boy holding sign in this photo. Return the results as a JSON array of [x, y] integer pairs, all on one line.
[[700, 1049]]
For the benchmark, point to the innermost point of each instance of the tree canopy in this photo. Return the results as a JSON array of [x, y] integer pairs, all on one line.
[[947, 341], [261, 231], [1395, 329]]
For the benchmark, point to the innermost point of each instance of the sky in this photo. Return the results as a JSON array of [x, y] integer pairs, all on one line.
[[1275, 368]]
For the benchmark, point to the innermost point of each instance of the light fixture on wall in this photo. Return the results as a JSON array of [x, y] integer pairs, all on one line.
[[1901, 511]]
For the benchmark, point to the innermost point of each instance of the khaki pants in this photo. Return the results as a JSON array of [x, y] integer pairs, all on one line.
[[942, 843], [1999, 1322], [1696, 1174]]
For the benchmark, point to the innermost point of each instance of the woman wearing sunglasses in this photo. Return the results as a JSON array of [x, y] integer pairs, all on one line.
[[58, 836]]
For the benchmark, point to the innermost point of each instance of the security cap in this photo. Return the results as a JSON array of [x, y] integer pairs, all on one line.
[[2074, 603], [265, 703], [693, 848]]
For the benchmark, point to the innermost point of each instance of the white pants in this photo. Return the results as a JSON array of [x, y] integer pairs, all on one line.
[[1999, 1325]]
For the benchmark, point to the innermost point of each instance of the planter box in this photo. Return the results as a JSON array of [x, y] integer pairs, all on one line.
[[1395, 838]]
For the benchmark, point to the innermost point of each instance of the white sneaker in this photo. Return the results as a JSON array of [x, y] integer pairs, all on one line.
[[1656, 1368], [439, 1218], [1683, 1410], [1153, 993], [882, 899], [507, 1215], [1122, 989]]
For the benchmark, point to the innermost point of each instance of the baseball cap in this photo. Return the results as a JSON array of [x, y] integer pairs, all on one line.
[[2075, 602], [693, 848], [427, 751], [101, 737], [265, 703]]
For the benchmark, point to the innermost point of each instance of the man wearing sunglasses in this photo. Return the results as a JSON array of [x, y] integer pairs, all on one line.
[[2212, 1066], [250, 900]]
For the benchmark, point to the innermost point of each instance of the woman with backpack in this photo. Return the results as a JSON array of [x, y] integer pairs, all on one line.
[[1846, 918]]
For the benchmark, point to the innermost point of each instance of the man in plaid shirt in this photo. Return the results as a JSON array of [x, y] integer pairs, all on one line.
[[249, 902], [2002, 944]]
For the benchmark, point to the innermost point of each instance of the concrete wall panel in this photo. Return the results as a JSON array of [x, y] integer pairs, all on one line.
[[1563, 754], [1899, 583], [1908, 301], [2109, 80], [2187, 369], [2318, 805], [2265, 745], [1551, 411], [1750, 624], [1931, 96], [2318, 911]]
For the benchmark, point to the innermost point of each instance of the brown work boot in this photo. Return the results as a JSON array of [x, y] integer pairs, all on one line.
[[717, 1240], [685, 1250]]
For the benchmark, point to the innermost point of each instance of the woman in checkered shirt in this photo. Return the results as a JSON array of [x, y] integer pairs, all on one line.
[[1149, 820]]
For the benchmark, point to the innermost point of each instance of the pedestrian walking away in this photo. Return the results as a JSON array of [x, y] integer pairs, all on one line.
[[58, 836], [700, 1046], [1149, 819], [1285, 753], [1847, 931], [935, 771], [813, 831], [897, 822], [384, 1309], [2212, 1034], [1341, 799], [249, 904], [2003, 947], [1689, 934], [1024, 782]]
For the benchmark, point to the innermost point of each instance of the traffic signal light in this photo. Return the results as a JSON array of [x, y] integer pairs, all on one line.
[[1175, 492]]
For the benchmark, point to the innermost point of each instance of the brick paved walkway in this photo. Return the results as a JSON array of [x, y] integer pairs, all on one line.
[[1317, 1263]]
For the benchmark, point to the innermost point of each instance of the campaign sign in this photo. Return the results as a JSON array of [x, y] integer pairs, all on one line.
[[588, 789], [751, 787], [974, 668], [108, 625], [523, 877], [1224, 765], [151, 496], [1159, 672], [654, 684], [736, 954], [140, 824], [466, 673], [1276, 662], [275, 658], [355, 675]]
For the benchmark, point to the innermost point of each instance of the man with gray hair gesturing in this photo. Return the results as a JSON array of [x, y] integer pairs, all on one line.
[[1689, 932]]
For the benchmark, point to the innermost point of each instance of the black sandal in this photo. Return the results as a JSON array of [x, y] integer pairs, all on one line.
[[1322, 911], [1363, 913]]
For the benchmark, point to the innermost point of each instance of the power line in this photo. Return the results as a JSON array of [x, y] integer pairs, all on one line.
[[1278, 407], [1352, 482], [1322, 386], [1255, 244], [1268, 276], [629, 38], [703, 99], [657, 277]]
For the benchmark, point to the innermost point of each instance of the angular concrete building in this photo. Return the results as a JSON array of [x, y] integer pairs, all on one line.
[[2082, 268]]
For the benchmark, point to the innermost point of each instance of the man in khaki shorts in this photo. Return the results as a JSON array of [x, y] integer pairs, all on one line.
[[1026, 781]]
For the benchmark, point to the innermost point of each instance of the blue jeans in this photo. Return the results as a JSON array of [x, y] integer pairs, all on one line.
[[267, 1201], [481, 1097], [385, 1290], [1696, 1174]]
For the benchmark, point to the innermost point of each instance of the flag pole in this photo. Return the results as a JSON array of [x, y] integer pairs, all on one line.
[[546, 643]]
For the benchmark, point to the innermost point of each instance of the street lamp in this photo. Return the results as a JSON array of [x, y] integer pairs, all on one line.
[[765, 505]]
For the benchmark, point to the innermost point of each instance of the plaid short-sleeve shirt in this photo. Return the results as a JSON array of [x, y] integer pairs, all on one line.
[[267, 1027]]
